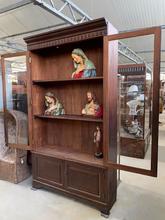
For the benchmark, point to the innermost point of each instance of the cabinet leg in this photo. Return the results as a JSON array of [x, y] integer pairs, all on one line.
[[105, 213], [35, 186]]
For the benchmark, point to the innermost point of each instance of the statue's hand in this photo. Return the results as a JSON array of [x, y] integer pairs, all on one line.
[[83, 112], [46, 112], [80, 68], [73, 74]]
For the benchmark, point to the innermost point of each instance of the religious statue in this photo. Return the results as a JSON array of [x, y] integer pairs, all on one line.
[[97, 141], [92, 108], [136, 105], [133, 104], [53, 106], [136, 129], [83, 66]]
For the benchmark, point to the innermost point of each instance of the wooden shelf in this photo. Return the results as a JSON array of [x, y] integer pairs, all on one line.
[[43, 82], [71, 117], [69, 154]]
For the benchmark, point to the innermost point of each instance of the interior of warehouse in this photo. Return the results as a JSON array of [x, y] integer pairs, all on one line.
[[82, 119]]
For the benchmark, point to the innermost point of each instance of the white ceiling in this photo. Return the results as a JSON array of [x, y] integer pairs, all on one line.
[[126, 14], [123, 14]]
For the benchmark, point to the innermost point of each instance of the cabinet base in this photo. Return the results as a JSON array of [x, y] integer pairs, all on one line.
[[104, 208], [95, 186]]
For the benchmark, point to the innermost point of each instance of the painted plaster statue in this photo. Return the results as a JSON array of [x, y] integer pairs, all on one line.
[[133, 104], [136, 103], [135, 129], [136, 107], [53, 106], [92, 108], [83, 66], [97, 141]]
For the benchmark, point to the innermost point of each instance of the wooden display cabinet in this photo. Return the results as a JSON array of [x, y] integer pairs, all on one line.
[[63, 146], [134, 142]]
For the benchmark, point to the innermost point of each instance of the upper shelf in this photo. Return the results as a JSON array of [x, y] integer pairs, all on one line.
[[43, 82]]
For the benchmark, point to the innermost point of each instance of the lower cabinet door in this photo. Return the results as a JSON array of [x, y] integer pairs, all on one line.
[[48, 170], [85, 180]]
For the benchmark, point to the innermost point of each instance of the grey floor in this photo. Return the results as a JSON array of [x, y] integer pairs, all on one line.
[[139, 198]]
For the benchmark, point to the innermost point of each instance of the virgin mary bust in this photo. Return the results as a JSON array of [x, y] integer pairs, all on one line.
[[53, 106], [83, 66]]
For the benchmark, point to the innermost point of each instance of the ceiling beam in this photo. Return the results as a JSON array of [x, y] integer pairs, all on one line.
[[148, 51], [76, 13], [130, 54], [15, 6], [6, 44]]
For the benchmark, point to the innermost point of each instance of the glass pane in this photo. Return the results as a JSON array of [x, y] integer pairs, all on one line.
[[16, 99], [1, 92], [2, 132], [135, 95]]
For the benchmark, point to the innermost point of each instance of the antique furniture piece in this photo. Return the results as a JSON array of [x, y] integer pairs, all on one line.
[[135, 109], [13, 162], [62, 146]]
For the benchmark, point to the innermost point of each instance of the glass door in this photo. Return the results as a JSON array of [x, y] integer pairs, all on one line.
[[3, 148], [139, 99], [15, 89]]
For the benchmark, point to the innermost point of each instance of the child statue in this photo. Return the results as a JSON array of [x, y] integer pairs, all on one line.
[[92, 108], [54, 107], [97, 141], [83, 66], [135, 129]]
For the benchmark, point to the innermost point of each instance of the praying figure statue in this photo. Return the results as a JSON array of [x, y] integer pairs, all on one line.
[[92, 108], [83, 66], [97, 141], [53, 106]]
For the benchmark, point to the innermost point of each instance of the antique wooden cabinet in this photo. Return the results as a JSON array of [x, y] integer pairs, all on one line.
[[135, 109], [63, 146]]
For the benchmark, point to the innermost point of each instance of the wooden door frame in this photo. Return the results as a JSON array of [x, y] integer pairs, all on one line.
[[156, 31], [3, 57]]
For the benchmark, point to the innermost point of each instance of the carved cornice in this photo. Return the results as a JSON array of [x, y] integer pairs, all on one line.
[[131, 69], [88, 30]]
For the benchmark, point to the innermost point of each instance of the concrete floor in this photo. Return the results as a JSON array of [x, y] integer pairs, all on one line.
[[139, 198]]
